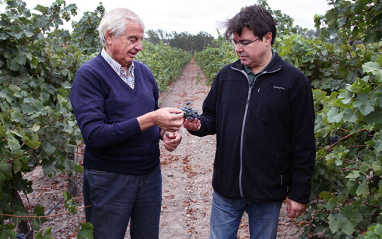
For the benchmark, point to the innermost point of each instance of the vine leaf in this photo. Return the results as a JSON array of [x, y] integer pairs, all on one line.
[[5, 171], [344, 220], [85, 230], [374, 68]]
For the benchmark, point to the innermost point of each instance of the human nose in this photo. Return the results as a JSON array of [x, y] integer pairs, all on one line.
[[238, 47], [138, 45]]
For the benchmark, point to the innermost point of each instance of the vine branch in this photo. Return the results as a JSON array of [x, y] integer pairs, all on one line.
[[54, 215], [347, 136]]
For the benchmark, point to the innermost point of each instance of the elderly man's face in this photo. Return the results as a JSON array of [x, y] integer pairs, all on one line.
[[125, 48]]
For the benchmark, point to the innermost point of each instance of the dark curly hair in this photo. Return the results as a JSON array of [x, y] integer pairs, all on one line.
[[254, 17]]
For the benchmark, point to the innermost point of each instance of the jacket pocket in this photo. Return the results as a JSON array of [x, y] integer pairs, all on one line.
[[272, 105]]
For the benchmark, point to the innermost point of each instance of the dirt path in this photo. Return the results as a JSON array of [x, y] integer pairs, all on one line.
[[187, 174], [187, 171]]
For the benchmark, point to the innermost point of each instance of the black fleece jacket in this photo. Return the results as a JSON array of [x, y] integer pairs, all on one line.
[[265, 132]]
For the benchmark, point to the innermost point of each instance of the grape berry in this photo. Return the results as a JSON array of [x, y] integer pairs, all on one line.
[[190, 113]]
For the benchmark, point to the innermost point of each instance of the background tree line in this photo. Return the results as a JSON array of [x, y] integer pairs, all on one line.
[[183, 40]]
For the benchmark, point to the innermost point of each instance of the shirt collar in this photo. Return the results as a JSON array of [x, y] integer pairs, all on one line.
[[116, 66]]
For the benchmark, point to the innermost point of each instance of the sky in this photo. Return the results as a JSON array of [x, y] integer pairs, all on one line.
[[196, 15]]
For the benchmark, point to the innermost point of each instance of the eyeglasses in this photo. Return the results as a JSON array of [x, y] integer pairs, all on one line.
[[243, 43]]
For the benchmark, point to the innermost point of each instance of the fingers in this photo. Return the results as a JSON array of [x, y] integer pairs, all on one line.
[[169, 119], [193, 125], [171, 135], [170, 147], [173, 110], [171, 140], [295, 209], [295, 214]]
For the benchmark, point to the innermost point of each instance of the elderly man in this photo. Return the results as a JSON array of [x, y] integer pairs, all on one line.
[[115, 101], [261, 110]]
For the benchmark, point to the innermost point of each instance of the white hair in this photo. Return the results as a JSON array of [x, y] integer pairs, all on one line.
[[116, 20]]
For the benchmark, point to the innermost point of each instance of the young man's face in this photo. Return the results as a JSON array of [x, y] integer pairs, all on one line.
[[126, 47], [252, 54]]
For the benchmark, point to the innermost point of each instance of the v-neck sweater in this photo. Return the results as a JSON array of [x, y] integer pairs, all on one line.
[[106, 109]]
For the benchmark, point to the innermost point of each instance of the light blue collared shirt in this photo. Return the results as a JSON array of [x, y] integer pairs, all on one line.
[[128, 78]]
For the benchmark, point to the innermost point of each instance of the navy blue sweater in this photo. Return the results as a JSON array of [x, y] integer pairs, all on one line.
[[106, 110]]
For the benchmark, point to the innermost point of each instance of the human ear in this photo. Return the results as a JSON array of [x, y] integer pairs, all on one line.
[[268, 37], [108, 36]]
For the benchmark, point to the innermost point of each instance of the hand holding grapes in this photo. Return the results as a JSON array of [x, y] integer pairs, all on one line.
[[191, 118], [193, 125], [169, 119]]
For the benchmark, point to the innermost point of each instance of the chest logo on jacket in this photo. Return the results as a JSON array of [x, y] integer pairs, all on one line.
[[278, 87]]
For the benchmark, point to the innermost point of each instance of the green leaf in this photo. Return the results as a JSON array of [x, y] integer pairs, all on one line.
[[69, 203], [339, 222], [34, 62], [325, 196], [343, 72], [375, 232], [32, 144], [363, 189], [5, 171], [39, 210], [85, 231], [12, 142], [29, 33], [67, 196], [334, 115], [336, 220], [374, 68], [362, 101], [379, 60], [17, 165], [78, 168], [2, 131], [46, 235], [377, 166], [7, 231], [366, 109], [35, 128], [378, 146], [16, 116], [60, 98], [350, 116], [353, 175], [347, 97], [50, 148]]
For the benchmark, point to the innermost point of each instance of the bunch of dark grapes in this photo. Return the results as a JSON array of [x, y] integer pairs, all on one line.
[[21, 236], [334, 139], [190, 113]]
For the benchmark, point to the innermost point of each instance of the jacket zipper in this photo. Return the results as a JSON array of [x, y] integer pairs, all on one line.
[[243, 125], [242, 141]]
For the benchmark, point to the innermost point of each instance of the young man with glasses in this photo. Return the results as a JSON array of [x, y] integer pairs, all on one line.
[[261, 110]]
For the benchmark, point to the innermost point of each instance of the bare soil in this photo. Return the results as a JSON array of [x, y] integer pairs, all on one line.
[[187, 174]]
